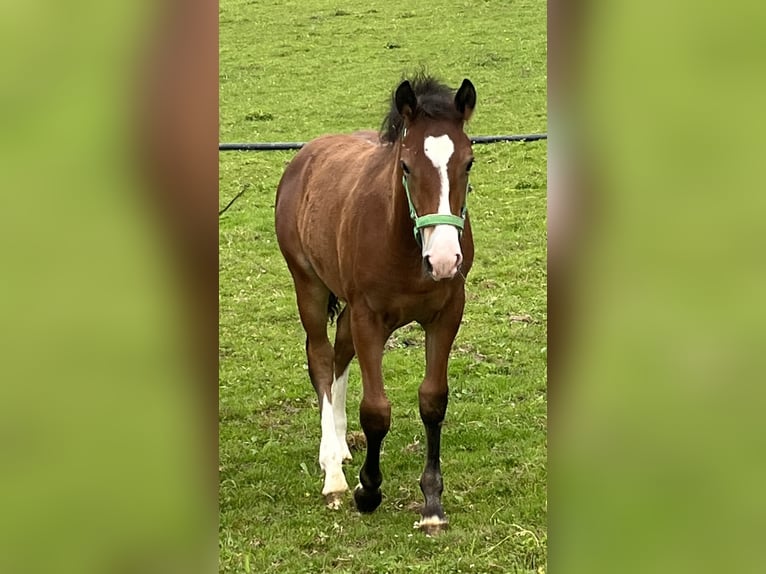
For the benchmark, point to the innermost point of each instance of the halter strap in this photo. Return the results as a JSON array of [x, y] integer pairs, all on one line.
[[433, 218]]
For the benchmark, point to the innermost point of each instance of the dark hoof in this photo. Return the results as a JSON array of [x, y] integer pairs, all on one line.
[[365, 500]]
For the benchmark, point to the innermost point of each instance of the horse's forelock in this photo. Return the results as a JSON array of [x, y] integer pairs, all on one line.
[[436, 101]]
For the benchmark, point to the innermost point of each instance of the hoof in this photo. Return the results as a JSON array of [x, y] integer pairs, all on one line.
[[432, 525], [334, 500], [365, 500]]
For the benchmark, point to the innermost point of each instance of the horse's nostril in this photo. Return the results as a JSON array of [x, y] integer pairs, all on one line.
[[427, 262], [459, 259]]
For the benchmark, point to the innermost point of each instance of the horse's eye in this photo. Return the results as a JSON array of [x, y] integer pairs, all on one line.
[[405, 168], [469, 166]]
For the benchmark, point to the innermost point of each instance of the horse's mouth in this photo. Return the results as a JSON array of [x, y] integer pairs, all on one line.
[[428, 269]]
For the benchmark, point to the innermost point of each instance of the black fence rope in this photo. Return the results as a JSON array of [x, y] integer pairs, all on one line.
[[281, 146]]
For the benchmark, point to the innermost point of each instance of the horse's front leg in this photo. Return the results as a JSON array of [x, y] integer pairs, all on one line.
[[369, 335], [433, 406]]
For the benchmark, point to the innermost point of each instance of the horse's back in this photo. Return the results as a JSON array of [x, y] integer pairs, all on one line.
[[314, 163]]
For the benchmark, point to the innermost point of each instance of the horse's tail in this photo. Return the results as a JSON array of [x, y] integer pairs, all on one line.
[[333, 307]]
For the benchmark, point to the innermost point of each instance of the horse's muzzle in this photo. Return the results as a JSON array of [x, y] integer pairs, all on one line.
[[442, 255], [442, 269]]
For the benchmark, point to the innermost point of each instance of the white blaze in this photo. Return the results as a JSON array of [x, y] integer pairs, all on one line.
[[441, 243], [439, 151]]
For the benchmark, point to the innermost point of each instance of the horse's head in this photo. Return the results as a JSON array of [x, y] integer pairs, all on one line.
[[435, 159]]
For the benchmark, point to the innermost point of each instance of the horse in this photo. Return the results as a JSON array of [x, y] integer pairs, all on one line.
[[379, 221]]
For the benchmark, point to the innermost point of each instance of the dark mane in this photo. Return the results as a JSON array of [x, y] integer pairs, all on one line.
[[435, 100]]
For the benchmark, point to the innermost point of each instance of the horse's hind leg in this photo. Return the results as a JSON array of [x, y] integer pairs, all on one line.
[[344, 352], [312, 297]]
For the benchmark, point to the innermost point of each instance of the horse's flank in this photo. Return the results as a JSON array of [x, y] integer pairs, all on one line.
[[332, 185]]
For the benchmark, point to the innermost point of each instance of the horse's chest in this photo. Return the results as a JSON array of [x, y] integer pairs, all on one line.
[[402, 308]]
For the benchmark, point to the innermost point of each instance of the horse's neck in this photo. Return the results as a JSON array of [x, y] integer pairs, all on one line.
[[384, 174], [399, 213], [398, 218]]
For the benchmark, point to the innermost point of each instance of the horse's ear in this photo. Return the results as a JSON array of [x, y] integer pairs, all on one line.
[[406, 101], [465, 99]]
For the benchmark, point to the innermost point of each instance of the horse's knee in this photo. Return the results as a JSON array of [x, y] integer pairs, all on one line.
[[433, 403], [375, 416]]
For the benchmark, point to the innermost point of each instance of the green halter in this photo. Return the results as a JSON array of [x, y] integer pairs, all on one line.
[[433, 218]]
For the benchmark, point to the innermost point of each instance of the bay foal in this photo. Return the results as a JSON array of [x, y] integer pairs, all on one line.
[[379, 221]]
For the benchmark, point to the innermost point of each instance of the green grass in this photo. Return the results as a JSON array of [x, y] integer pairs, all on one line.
[[295, 70]]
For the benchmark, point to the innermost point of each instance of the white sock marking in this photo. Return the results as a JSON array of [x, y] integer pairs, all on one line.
[[430, 522], [339, 387], [330, 453]]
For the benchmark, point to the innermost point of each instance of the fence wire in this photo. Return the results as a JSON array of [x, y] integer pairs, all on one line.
[[281, 146]]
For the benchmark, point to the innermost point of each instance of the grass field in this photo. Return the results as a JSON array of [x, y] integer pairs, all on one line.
[[292, 71]]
